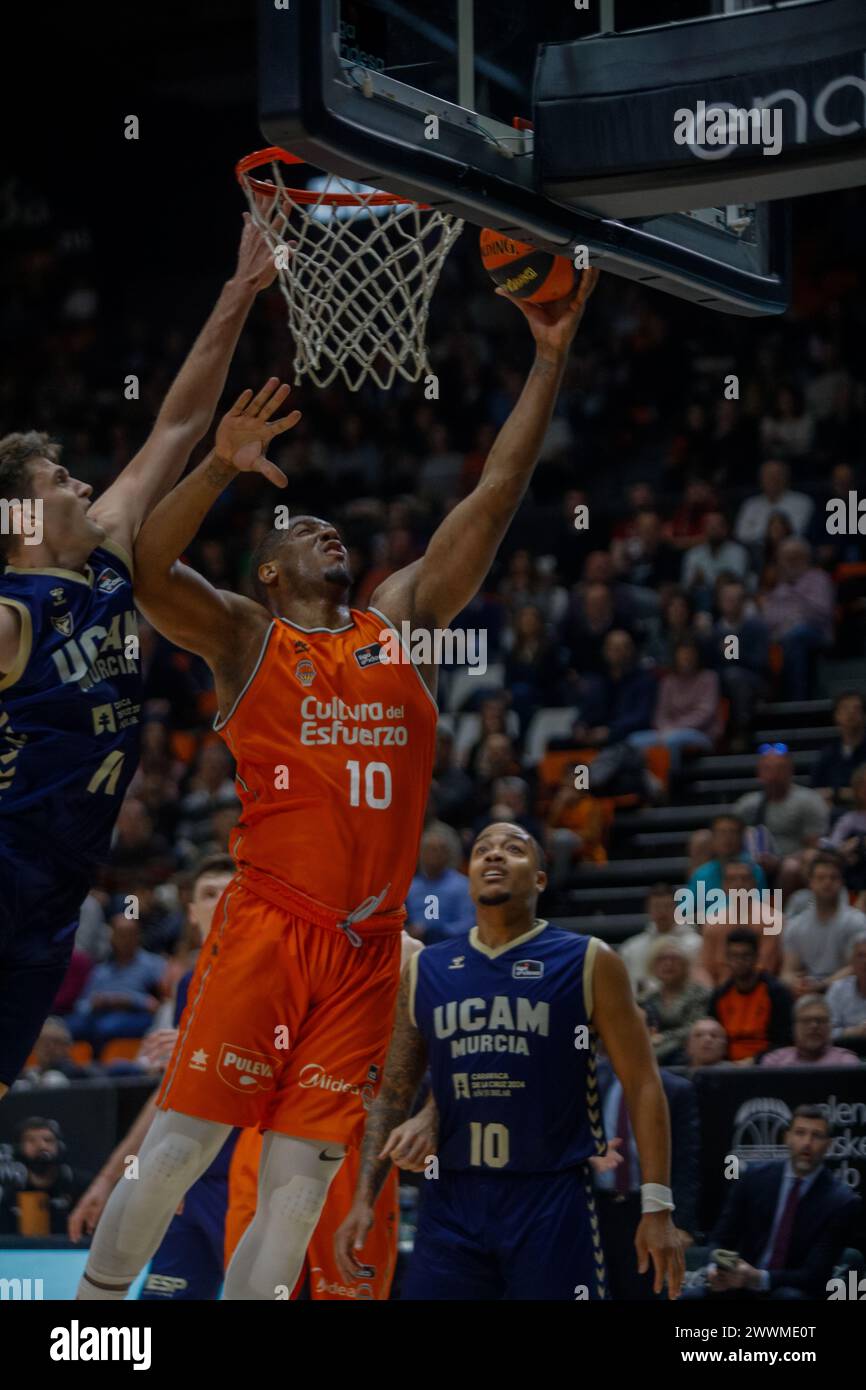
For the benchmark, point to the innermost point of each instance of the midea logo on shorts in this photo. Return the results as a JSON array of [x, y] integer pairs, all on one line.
[[314, 1075]]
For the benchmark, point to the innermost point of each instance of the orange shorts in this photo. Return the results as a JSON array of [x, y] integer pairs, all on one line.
[[287, 1023], [380, 1248]]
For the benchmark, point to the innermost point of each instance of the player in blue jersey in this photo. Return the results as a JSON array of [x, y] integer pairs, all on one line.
[[70, 683], [506, 1020]]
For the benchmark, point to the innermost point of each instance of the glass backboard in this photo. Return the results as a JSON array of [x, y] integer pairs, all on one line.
[[436, 102]]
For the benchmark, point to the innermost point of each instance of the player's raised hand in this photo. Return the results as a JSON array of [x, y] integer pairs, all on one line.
[[256, 263], [554, 325], [349, 1238], [657, 1239], [244, 433]]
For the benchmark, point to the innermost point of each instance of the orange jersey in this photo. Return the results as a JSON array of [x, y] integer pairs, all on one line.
[[334, 750]]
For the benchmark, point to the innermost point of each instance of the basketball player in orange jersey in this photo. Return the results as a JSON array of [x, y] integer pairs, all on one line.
[[290, 1008]]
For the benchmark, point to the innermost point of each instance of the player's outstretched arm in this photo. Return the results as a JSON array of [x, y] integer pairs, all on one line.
[[187, 411], [434, 590], [404, 1068], [621, 1027], [180, 603]]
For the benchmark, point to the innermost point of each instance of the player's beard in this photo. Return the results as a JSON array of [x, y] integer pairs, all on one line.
[[495, 898], [338, 574]]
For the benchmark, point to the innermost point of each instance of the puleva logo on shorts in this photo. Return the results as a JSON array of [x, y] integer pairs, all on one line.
[[527, 970], [314, 1075], [244, 1070]]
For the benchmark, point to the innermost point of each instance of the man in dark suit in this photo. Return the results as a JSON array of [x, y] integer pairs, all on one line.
[[617, 1183], [788, 1221]]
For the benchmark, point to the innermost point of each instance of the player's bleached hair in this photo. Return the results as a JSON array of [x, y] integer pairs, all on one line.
[[17, 452]]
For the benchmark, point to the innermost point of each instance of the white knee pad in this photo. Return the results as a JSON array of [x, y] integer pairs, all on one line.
[[297, 1204], [293, 1214], [167, 1171]]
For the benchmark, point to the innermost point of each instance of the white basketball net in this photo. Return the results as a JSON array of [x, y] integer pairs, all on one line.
[[357, 279]]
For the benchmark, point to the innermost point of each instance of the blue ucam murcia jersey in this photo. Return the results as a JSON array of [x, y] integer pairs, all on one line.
[[511, 1050], [69, 708]]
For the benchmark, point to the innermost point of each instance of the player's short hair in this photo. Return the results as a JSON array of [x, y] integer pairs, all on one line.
[[211, 866], [267, 549], [540, 854], [17, 452], [540, 851]]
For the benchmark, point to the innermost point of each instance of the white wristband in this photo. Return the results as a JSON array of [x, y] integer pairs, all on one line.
[[655, 1197]]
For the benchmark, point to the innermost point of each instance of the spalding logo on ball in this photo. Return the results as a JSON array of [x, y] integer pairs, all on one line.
[[525, 273]]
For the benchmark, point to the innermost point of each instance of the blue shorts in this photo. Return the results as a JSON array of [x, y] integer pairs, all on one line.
[[189, 1263], [39, 905], [527, 1236]]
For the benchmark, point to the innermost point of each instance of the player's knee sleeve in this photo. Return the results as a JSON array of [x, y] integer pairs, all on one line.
[[293, 1212], [298, 1204], [168, 1170]]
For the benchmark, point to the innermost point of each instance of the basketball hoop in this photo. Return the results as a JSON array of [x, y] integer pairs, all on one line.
[[357, 268]]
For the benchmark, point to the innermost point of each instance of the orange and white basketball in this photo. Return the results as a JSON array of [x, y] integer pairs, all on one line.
[[524, 272]]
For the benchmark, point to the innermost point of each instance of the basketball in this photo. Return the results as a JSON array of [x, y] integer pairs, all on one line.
[[525, 273]]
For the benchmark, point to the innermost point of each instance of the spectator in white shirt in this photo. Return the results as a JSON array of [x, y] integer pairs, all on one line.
[[716, 554], [636, 951], [775, 496], [818, 942], [846, 998]]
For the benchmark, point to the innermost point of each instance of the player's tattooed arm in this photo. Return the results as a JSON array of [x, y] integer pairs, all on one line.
[[404, 1069], [432, 591], [188, 409]]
